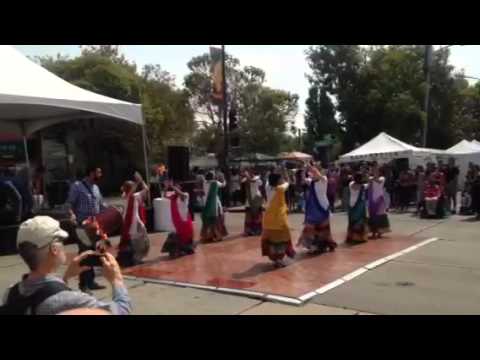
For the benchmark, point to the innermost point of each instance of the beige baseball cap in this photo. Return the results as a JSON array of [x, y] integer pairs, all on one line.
[[40, 231]]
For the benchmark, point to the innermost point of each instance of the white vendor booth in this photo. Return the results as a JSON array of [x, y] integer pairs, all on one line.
[[384, 148]]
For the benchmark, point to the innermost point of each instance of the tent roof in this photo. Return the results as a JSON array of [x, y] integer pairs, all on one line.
[[295, 155], [464, 147], [30, 93], [386, 144], [476, 142], [380, 144]]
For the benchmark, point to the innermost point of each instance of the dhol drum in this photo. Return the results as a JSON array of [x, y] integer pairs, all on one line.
[[110, 221]]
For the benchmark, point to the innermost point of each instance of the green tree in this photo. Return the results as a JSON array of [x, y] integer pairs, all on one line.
[[382, 88], [99, 69], [168, 114], [336, 69], [319, 117], [266, 116], [467, 117]]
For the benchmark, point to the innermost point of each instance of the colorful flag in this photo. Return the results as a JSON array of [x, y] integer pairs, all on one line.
[[216, 70]]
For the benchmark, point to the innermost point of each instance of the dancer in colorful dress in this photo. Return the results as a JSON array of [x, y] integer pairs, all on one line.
[[180, 242], [357, 211], [316, 235], [378, 219], [213, 219], [134, 244], [276, 239], [253, 210]]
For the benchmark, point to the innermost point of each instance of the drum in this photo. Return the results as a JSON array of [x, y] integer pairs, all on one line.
[[110, 221]]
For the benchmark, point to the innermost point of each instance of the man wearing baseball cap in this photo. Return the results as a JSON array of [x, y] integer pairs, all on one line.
[[42, 292]]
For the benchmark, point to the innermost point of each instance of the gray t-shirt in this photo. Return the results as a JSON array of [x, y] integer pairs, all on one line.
[[68, 300]]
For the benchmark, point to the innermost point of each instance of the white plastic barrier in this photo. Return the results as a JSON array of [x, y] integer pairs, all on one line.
[[162, 215], [38, 202]]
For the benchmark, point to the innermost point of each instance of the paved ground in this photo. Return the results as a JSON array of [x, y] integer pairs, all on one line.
[[439, 278]]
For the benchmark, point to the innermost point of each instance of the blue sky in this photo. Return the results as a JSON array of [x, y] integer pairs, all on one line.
[[285, 65]]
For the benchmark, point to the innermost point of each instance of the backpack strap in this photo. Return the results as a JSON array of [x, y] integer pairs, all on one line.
[[84, 183], [42, 294]]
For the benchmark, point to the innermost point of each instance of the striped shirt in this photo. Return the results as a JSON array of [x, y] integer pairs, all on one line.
[[82, 203]]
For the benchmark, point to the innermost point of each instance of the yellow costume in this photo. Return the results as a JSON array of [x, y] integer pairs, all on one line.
[[276, 239]]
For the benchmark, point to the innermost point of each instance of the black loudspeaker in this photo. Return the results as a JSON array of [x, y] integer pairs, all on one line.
[[178, 163]]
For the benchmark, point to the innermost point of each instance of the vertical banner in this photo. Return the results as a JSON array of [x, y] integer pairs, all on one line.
[[216, 70]]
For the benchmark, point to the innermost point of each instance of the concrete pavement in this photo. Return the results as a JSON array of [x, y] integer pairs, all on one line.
[[439, 278]]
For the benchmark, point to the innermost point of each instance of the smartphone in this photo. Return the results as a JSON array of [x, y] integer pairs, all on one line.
[[95, 259], [92, 260]]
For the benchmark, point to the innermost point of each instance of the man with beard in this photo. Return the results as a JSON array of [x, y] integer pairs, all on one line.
[[85, 200]]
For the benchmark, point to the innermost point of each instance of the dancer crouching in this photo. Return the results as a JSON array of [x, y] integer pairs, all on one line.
[[180, 242]]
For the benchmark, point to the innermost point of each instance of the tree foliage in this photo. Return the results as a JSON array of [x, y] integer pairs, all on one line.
[[467, 117], [382, 88], [319, 117]]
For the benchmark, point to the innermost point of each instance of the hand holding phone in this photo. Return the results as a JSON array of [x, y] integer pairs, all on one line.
[[92, 260]]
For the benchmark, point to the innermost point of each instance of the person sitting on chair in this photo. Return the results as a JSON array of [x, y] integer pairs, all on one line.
[[433, 200]]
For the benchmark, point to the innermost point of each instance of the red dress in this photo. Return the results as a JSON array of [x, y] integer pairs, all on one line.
[[127, 223]]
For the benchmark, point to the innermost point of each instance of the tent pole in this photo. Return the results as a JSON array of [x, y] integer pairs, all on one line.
[[145, 156], [27, 159], [25, 146]]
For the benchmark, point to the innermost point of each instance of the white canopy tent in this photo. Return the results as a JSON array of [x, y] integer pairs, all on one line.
[[465, 152], [464, 147], [32, 98], [384, 148]]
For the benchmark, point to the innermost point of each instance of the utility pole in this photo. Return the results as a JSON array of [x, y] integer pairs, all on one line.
[[428, 63], [225, 130]]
